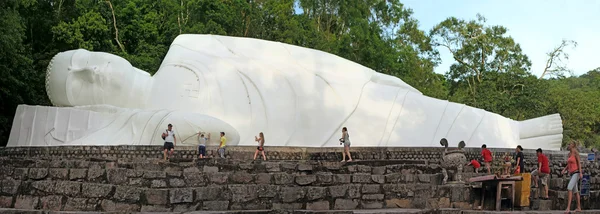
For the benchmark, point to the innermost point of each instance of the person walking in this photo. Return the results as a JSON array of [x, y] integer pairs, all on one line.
[[575, 172], [541, 174], [346, 141], [221, 150], [261, 143], [519, 160], [202, 144], [170, 142], [486, 154]]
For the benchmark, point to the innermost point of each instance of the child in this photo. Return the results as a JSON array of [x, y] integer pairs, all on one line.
[[507, 164], [475, 165]]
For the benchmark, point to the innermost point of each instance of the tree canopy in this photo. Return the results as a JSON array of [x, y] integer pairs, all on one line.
[[490, 71]]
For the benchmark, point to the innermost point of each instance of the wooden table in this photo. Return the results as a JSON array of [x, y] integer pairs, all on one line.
[[499, 182]]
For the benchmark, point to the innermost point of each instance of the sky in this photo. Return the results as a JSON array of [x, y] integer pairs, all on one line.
[[537, 25]]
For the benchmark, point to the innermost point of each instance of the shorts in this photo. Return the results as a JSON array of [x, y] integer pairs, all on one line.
[[202, 150], [543, 177], [347, 144], [168, 146], [573, 183], [260, 148]]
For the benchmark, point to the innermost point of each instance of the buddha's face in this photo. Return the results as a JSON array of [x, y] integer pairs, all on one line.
[[80, 77]]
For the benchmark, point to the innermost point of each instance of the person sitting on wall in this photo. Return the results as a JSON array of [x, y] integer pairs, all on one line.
[[476, 165], [542, 172], [507, 164], [486, 154]]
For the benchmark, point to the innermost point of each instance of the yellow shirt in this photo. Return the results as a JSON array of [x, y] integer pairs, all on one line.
[[223, 141]]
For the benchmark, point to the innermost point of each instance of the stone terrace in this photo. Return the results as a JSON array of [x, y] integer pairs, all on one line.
[[132, 178]]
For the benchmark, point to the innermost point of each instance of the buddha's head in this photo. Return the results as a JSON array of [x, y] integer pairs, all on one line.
[[81, 77]]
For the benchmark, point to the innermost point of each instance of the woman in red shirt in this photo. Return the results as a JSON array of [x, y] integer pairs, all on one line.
[[486, 154], [574, 169]]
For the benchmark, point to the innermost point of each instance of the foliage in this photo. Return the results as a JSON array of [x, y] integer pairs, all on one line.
[[490, 70]]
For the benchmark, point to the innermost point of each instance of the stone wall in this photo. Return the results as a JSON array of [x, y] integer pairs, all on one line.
[[133, 179]]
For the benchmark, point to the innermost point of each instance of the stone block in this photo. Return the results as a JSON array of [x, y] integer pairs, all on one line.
[[110, 206], [288, 166], [92, 190], [371, 205], [304, 180], [58, 173], [176, 182], [136, 181], [174, 173], [354, 191], [6, 201], [52, 202], [215, 205], [26, 202], [181, 195], [218, 177], [542, 205], [246, 166], [318, 205], [241, 177], [185, 207], [380, 170], [305, 167], [21, 173], [209, 169], [556, 183], [156, 196], [291, 194], [325, 177], [68, 188], [155, 208], [117, 176], [10, 186], [263, 178], [363, 168], [371, 188], [444, 203], [462, 205], [158, 184], [38, 173], [95, 174], [287, 206], [283, 178], [131, 173], [267, 191], [393, 178], [314, 193], [126, 193], [210, 192], [75, 174], [341, 178], [398, 203], [334, 166], [154, 174], [45, 186], [272, 167], [345, 204], [380, 179], [78, 204], [338, 191], [373, 197], [361, 178], [243, 193], [424, 178]]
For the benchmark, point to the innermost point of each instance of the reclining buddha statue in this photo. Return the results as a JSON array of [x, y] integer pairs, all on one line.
[[241, 86]]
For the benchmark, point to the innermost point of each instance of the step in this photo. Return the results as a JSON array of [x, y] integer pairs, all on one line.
[[539, 204]]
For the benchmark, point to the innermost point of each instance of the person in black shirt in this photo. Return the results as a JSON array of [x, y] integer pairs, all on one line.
[[519, 160]]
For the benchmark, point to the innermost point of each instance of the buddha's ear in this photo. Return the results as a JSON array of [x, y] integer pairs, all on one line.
[[86, 73]]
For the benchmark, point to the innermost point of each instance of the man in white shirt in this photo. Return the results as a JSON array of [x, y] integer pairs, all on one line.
[[170, 141], [202, 139]]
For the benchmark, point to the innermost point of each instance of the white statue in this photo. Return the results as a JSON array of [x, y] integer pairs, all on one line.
[[296, 96]]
